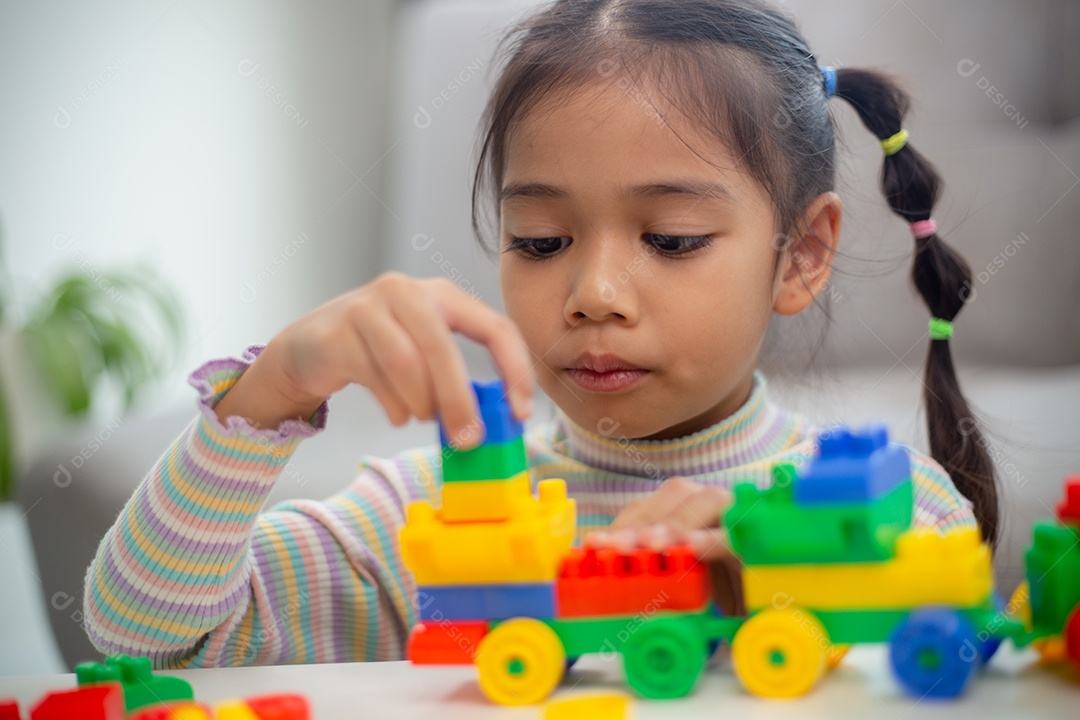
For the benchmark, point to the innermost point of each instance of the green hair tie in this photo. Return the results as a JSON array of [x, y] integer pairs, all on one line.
[[940, 329], [895, 143]]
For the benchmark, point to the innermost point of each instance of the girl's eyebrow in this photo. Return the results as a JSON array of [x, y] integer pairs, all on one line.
[[689, 188]]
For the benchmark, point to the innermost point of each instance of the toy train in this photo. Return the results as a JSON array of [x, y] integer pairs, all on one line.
[[830, 559]]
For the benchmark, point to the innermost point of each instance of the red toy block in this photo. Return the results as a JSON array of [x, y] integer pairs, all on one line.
[[1068, 510], [446, 642], [595, 582], [283, 706], [9, 710], [95, 702]]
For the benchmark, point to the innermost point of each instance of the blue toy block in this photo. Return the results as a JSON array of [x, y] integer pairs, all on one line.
[[852, 466], [499, 601], [499, 423]]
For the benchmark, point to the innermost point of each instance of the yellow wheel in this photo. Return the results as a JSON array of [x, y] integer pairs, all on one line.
[[780, 653], [835, 655], [520, 662]]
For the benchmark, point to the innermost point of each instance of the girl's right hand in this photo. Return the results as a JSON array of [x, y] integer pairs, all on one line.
[[394, 336]]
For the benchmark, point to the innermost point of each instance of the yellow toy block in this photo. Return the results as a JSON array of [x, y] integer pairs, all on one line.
[[611, 706], [483, 499], [234, 710], [929, 568], [526, 547]]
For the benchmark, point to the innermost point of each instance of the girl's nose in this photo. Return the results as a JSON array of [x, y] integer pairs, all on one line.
[[602, 290]]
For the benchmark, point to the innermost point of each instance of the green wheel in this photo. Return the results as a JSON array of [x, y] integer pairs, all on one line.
[[663, 658]]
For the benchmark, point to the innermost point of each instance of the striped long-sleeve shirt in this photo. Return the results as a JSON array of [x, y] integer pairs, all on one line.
[[195, 573]]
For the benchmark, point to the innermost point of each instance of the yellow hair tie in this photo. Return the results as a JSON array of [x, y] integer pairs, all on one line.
[[896, 143]]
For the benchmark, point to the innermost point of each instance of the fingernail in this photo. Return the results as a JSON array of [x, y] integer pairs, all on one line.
[[597, 538], [624, 540]]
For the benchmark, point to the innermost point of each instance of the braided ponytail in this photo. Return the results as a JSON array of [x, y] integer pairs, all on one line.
[[911, 186]]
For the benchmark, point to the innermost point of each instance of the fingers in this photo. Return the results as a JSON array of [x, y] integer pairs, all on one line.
[[680, 504], [401, 366], [481, 323], [449, 389], [680, 511]]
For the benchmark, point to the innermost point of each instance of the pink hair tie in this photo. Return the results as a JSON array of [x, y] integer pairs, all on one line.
[[923, 229]]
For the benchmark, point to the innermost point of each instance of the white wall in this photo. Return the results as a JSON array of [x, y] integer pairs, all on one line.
[[228, 145]]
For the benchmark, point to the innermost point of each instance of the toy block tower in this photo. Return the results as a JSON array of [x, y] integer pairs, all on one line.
[[484, 483], [492, 550]]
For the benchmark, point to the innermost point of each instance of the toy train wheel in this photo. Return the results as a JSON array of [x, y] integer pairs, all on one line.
[[520, 662], [664, 658], [1072, 636], [780, 653], [931, 652]]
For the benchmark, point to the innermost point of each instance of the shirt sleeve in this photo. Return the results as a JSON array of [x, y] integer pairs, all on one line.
[[938, 504], [192, 574]]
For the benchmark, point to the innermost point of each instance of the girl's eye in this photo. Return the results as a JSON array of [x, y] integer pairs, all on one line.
[[538, 248], [677, 244]]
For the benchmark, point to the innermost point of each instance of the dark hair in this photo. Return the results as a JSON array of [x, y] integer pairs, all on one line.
[[741, 70]]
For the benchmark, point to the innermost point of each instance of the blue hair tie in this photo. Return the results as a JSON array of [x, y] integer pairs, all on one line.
[[828, 76]]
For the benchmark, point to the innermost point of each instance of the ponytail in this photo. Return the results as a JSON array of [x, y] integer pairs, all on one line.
[[911, 186]]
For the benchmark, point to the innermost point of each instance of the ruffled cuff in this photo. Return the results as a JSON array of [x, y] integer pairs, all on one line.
[[215, 378]]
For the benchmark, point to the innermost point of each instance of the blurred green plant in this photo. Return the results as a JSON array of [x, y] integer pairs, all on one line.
[[124, 326]]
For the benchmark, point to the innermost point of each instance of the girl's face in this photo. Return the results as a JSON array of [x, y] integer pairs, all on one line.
[[641, 275]]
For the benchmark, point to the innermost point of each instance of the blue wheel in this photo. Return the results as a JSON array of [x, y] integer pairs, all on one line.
[[930, 652], [988, 647]]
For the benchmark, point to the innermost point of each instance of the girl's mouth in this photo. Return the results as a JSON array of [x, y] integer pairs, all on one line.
[[604, 373], [612, 381]]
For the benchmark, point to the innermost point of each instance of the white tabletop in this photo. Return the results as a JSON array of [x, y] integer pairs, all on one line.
[[1013, 687]]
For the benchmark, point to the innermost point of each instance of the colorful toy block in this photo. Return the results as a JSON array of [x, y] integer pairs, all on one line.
[[1053, 573], [1068, 510], [234, 710], [853, 466], [499, 422], [524, 548], [594, 707], [767, 527], [9, 710], [604, 582], [174, 711], [928, 568], [99, 702], [282, 706], [490, 461], [484, 500], [140, 686], [446, 642], [495, 601]]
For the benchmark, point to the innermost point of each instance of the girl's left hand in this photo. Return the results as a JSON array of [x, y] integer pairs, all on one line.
[[681, 511]]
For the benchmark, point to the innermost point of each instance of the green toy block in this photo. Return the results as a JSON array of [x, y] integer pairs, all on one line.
[[490, 461], [1053, 574], [141, 687], [767, 527]]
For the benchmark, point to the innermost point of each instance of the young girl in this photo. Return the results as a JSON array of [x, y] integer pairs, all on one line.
[[663, 173]]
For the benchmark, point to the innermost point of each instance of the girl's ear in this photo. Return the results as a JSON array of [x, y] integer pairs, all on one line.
[[807, 257]]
